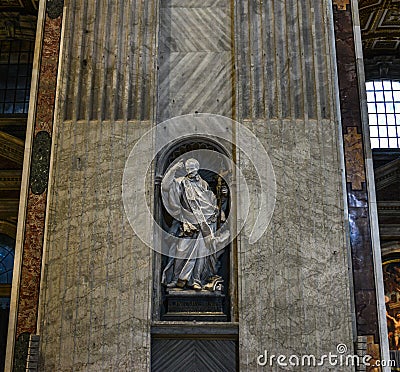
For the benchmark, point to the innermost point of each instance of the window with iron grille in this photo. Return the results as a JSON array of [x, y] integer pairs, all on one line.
[[16, 58], [6, 259], [383, 97]]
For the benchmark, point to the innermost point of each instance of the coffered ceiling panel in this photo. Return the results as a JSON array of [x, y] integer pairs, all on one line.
[[380, 25]]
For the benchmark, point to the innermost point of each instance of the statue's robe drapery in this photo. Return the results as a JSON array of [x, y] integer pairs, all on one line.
[[194, 207]]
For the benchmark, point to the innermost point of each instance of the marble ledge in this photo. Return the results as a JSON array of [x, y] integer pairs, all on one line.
[[170, 328]]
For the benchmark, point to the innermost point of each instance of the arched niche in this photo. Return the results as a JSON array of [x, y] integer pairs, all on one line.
[[184, 149]]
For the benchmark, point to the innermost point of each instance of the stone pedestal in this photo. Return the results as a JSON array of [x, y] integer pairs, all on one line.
[[195, 305]]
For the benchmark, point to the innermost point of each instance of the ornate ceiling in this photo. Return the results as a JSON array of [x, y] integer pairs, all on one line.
[[380, 28]]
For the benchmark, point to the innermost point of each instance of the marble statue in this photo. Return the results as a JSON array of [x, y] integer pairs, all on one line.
[[193, 262]]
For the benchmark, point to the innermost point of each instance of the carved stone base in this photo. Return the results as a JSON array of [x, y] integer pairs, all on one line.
[[195, 305]]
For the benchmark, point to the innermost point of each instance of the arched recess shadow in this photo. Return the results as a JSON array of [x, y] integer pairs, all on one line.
[[182, 149]]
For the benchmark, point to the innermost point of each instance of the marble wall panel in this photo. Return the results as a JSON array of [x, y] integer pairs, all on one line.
[[294, 295], [95, 308], [97, 282]]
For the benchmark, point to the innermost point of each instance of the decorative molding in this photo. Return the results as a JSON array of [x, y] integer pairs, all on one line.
[[389, 248], [390, 205], [388, 209], [387, 174], [389, 232], [355, 173], [10, 180], [11, 148], [381, 67], [7, 122]]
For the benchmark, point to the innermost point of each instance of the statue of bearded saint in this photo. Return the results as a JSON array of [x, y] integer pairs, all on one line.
[[194, 255]]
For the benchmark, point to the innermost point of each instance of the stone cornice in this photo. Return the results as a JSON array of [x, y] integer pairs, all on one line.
[[10, 179], [387, 174], [389, 209], [382, 67], [389, 205], [11, 148]]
